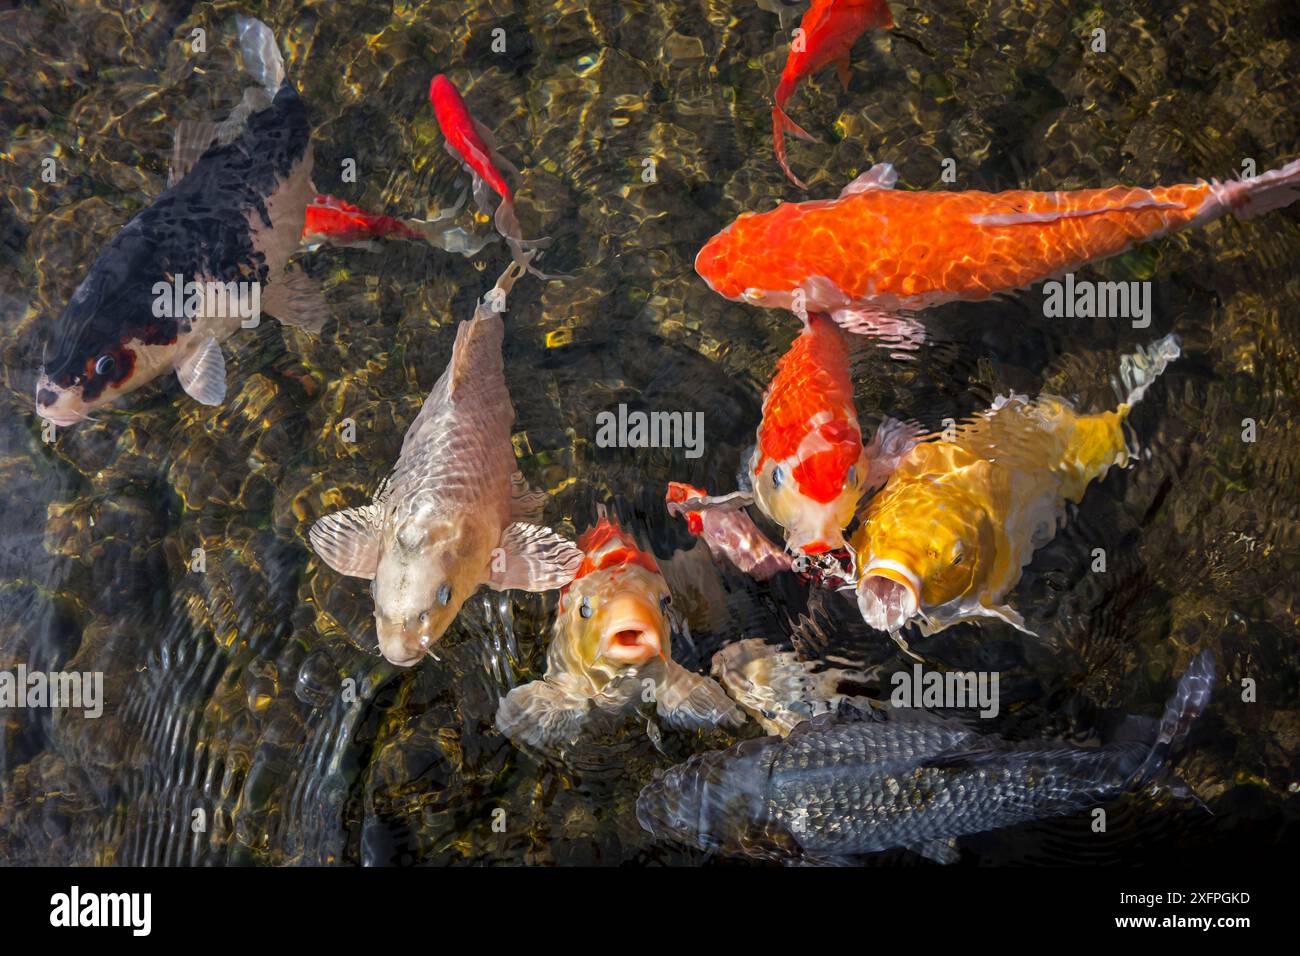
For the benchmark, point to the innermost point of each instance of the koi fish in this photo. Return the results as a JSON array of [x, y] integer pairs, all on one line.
[[947, 537], [454, 514], [826, 34], [610, 643], [472, 145], [339, 223], [809, 467], [876, 253], [231, 217], [847, 784]]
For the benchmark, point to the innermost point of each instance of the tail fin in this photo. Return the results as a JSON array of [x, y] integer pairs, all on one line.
[[262, 59], [521, 249], [1248, 198], [782, 124], [494, 302], [1189, 700], [1139, 370]]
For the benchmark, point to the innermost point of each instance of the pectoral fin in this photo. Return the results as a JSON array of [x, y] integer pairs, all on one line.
[[526, 503], [1009, 614], [940, 851], [202, 373], [896, 331], [687, 701], [889, 445], [254, 100], [348, 541], [190, 141], [295, 299], [541, 714], [727, 530], [533, 558], [778, 689], [940, 618]]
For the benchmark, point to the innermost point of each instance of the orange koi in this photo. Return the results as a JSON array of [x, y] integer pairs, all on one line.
[[826, 34], [809, 467], [876, 253]]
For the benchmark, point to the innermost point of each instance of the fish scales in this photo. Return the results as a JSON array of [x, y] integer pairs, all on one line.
[[457, 452], [841, 785]]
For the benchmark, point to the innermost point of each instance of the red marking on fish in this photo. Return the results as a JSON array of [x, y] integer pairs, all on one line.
[[810, 402], [606, 545], [679, 491]]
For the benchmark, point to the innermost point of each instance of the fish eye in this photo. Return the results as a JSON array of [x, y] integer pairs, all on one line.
[[585, 610], [853, 474], [958, 557], [104, 364], [444, 594], [754, 295], [424, 617], [777, 477], [664, 601]]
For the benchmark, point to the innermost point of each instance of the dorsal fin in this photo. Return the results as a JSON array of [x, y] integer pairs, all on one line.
[[879, 176]]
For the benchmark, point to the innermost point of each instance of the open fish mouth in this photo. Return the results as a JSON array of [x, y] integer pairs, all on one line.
[[630, 642], [888, 595]]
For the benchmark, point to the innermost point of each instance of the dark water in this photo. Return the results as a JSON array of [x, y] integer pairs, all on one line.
[[223, 688]]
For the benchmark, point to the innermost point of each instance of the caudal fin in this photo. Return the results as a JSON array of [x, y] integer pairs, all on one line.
[[1187, 704], [1138, 370], [1248, 198], [262, 59], [782, 124]]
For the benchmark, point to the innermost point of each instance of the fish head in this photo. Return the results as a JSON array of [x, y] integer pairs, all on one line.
[[108, 340], [922, 549], [420, 583], [813, 496], [738, 264], [614, 614], [713, 801], [616, 617]]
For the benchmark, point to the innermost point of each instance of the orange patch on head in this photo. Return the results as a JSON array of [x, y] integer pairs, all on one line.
[[606, 545]]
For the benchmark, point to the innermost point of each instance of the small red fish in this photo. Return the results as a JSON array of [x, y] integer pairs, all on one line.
[[826, 34], [330, 219], [472, 144], [339, 223], [729, 533]]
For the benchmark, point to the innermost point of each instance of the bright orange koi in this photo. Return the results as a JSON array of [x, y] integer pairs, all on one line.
[[875, 252], [809, 467]]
